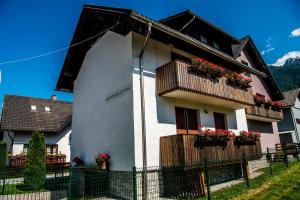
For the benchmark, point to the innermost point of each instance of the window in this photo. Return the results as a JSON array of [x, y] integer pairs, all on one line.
[[33, 107], [298, 121], [47, 109], [220, 121], [51, 148], [203, 39], [186, 121], [216, 45]]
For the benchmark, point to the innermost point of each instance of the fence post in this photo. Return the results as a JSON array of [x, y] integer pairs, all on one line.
[[245, 169], [286, 158], [70, 183], [4, 178], [134, 183], [207, 178], [297, 156], [269, 159]]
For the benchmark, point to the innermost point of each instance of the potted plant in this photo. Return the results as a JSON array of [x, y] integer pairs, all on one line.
[[206, 68], [268, 103], [102, 160], [248, 137], [218, 137], [259, 100], [77, 161], [237, 80], [277, 106]]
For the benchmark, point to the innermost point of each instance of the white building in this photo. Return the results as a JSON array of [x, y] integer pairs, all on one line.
[[289, 127], [23, 115], [104, 75]]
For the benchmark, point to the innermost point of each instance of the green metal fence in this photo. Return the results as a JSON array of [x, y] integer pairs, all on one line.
[[203, 180]]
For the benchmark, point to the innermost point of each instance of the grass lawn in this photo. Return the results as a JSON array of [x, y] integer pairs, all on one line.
[[283, 184]]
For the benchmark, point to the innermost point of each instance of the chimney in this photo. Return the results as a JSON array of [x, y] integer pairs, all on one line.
[[53, 98]]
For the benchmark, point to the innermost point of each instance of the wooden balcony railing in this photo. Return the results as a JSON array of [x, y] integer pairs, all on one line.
[[175, 79], [263, 114], [179, 150], [19, 160]]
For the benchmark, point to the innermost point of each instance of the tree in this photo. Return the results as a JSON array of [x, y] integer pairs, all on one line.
[[35, 166], [3, 154]]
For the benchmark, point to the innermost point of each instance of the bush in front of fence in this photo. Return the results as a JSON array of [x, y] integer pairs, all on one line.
[[35, 166], [3, 154]]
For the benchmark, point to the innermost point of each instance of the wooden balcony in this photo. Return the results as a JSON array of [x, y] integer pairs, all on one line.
[[19, 160], [180, 150], [176, 80], [263, 114]]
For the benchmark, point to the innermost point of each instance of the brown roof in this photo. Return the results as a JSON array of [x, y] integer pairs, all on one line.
[[17, 114], [290, 97], [94, 21]]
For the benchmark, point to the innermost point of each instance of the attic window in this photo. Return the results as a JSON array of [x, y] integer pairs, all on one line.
[[33, 107], [47, 109], [203, 39], [216, 45]]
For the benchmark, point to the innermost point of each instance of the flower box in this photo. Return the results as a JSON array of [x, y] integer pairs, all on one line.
[[277, 106], [206, 68], [247, 138], [238, 80], [210, 137], [102, 160]]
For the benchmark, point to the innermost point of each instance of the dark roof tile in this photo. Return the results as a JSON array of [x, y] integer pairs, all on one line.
[[17, 114]]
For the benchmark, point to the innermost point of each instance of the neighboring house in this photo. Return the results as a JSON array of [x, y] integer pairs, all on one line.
[[23, 115], [289, 127], [104, 75]]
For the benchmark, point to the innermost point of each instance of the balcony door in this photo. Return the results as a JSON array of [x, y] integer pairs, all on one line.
[[220, 121], [186, 121]]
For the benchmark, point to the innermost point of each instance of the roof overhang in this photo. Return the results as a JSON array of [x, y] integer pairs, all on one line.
[[95, 19]]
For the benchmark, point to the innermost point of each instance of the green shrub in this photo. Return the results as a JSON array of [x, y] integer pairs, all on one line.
[[35, 166], [3, 154]]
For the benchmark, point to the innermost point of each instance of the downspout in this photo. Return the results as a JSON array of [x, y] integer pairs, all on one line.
[[144, 138], [295, 125]]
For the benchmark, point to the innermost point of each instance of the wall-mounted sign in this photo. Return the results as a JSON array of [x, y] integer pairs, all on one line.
[[119, 93]]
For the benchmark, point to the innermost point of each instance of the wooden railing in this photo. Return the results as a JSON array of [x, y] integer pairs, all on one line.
[[19, 160], [179, 150], [176, 75], [262, 113]]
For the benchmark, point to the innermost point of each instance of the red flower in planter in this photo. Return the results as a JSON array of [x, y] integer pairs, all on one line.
[[259, 100], [102, 157], [207, 68], [78, 161], [252, 135], [277, 105]]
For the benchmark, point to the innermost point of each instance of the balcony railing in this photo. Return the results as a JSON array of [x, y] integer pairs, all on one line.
[[19, 160], [263, 114], [179, 150], [175, 79]]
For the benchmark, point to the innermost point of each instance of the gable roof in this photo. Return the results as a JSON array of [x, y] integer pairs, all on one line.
[[290, 97], [248, 44], [196, 16], [98, 19], [17, 114]]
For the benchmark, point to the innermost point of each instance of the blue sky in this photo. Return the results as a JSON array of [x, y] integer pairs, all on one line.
[[34, 27]]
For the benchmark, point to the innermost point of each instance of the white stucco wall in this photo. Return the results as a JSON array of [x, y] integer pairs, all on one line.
[[7, 139], [160, 111], [61, 139], [100, 125]]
